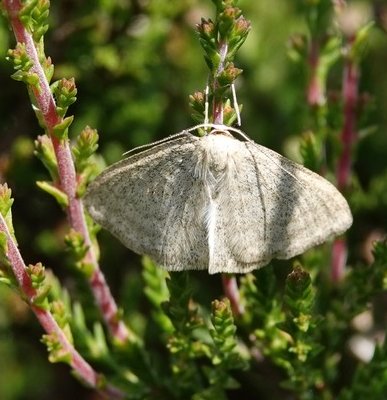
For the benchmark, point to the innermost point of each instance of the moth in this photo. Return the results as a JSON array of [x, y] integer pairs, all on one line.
[[215, 202]]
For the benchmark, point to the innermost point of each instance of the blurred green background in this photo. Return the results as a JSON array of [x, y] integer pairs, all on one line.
[[135, 64]]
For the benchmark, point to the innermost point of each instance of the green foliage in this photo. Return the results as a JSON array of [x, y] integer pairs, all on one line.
[[34, 16], [55, 349], [65, 93], [22, 64], [37, 274], [369, 381], [61, 129], [6, 202], [310, 151], [44, 150], [53, 190], [78, 250], [220, 40], [85, 147], [135, 64]]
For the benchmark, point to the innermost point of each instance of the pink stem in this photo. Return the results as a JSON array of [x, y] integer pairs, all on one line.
[[348, 138], [47, 320], [231, 290], [348, 133], [67, 176], [339, 259]]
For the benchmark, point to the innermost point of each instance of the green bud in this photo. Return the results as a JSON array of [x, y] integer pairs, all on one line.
[[33, 15], [76, 244], [6, 200], [48, 68], [228, 75], [197, 103], [38, 278], [229, 114], [299, 294], [226, 22], [55, 349], [207, 30], [19, 57], [241, 27], [59, 311], [239, 33], [65, 93], [298, 281], [301, 349], [22, 64], [37, 274], [85, 146]]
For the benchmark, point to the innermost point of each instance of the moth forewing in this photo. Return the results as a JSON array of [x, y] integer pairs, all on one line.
[[216, 203]]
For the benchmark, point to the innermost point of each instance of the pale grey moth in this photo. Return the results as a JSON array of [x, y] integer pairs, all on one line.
[[215, 202]]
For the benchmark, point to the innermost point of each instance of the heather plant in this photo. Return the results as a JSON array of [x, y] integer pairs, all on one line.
[[312, 87]]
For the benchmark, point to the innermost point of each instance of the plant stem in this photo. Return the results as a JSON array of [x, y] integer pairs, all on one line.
[[82, 368], [339, 259], [231, 290], [348, 133], [217, 107], [67, 175], [348, 137]]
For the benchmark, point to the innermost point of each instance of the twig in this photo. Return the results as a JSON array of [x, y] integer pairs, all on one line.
[[348, 133], [82, 368], [67, 175], [339, 259], [231, 290], [348, 138]]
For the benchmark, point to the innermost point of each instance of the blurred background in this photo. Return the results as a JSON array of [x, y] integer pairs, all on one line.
[[135, 64]]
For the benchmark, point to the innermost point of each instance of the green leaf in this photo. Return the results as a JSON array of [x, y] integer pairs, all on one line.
[[51, 189], [56, 353], [61, 130], [44, 150]]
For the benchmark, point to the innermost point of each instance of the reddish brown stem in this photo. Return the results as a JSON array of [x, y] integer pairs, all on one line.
[[67, 175], [339, 259], [348, 138], [231, 290], [47, 320], [348, 133]]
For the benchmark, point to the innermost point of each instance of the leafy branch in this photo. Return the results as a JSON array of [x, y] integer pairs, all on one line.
[[31, 284], [50, 103]]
